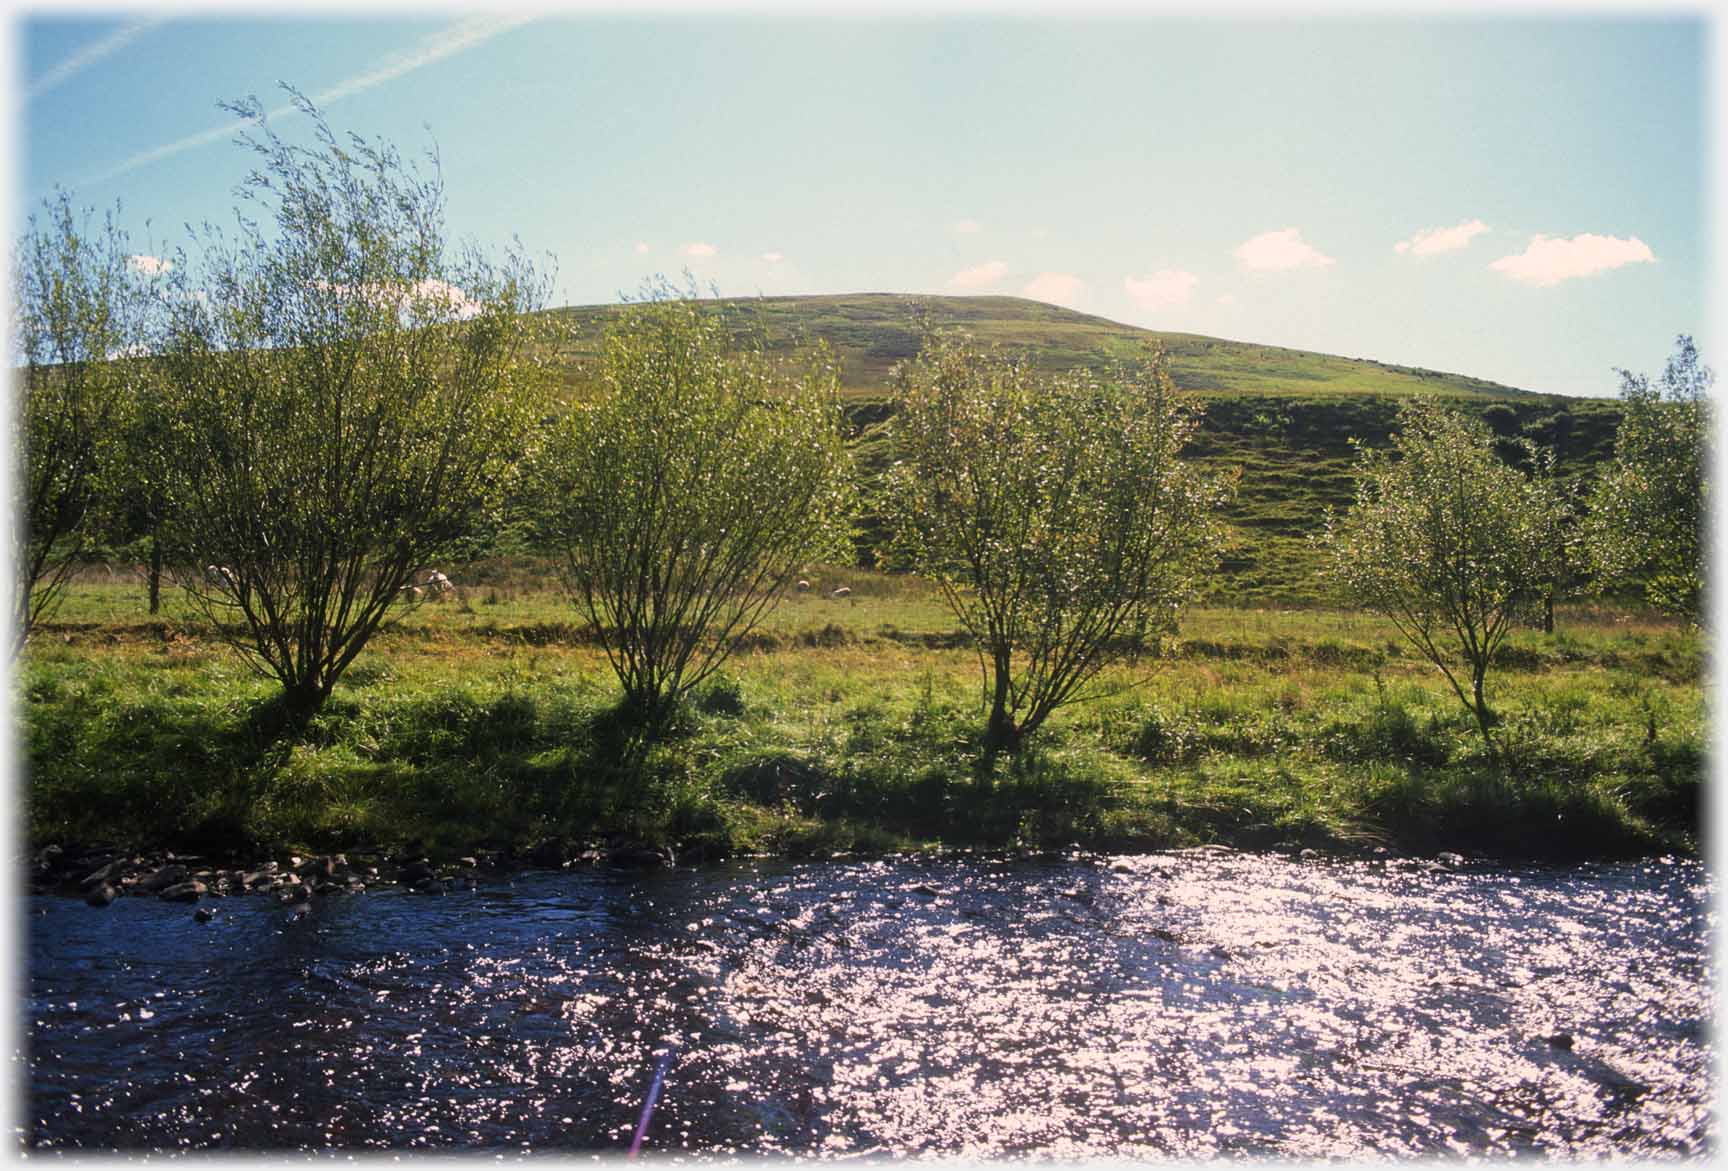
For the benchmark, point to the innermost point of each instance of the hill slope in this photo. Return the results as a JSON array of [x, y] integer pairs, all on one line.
[[872, 331], [1285, 418]]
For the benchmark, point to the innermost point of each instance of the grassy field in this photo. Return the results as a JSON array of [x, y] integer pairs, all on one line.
[[853, 724]]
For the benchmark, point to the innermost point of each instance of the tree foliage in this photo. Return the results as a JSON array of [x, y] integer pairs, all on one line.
[[1647, 511], [689, 493], [81, 318], [345, 391], [1053, 513], [1450, 542]]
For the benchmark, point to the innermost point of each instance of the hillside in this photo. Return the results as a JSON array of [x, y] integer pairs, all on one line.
[[872, 331], [1285, 418]]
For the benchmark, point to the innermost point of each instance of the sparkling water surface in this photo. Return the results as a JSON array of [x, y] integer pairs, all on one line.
[[1164, 1006]]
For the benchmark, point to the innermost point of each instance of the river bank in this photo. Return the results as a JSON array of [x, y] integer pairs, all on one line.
[[487, 727]]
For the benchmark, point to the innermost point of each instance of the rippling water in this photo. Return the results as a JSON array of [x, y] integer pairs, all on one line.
[[1174, 1005]]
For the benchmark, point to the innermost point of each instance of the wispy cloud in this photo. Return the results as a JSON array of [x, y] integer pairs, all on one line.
[[773, 257], [968, 227], [979, 276], [1162, 289], [1548, 260], [699, 249], [1430, 241], [1280, 251], [90, 55], [1058, 288], [641, 247], [447, 42]]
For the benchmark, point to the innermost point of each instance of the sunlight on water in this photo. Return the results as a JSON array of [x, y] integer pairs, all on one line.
[[1178, 1005]]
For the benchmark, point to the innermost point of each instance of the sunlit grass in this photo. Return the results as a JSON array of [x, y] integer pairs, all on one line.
[[853, 723]]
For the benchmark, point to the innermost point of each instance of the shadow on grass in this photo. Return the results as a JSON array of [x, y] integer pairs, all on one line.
[[460, 770]]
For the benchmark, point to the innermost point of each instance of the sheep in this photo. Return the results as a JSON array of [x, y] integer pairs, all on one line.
[[841, 592], [221, 577], [436, 586], [412, 592], [803, 585]]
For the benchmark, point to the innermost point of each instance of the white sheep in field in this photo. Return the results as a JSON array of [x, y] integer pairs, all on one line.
[[841, 592], [221, 577], [436, 586], [411, 592], [802, 584]]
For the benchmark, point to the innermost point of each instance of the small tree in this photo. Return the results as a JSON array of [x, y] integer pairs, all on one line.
[[81, 318], [345, 393], [688, 494], [1449, 542], [1647, 511], [1054, 515]]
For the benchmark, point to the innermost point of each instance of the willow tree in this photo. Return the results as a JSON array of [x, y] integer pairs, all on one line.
[[686, 495], [1054, 513], [1646, 522], [80, 318], [346, 389], [1450, 542]]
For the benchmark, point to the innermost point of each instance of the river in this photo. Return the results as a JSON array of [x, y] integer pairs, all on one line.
[[1166, 1006]]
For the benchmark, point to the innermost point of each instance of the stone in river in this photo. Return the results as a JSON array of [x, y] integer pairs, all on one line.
[[185, 892], [101, 896], [167, 876]]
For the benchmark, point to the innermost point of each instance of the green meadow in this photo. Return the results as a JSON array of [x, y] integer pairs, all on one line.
[[853, 724]]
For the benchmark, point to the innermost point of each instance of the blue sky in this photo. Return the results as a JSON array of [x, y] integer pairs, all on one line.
[[1517, 199]]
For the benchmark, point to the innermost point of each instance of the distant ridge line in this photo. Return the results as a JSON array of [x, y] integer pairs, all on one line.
[[871, 331]]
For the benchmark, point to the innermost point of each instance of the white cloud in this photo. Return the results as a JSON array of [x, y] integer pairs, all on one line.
[[453, 297], [1430, 241], [149, 265], [1058, 288], [90, 55], [455, 38], [430, 294], [1548, 260], [1162, 289], [1279, 251], [968, 227], [979, 276], [773, 257], [698, 250], [641, 247]]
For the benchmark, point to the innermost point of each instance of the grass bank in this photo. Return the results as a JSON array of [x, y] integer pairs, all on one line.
[[852, 724]]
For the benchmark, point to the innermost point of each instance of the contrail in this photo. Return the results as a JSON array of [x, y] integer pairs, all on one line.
[[89, 55], [446, 42]]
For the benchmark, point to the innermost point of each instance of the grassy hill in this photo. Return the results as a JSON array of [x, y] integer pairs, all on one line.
[[1285, 418], [872, 331]]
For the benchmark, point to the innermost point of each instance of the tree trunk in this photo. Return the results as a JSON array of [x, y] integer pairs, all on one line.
[[303, 701], [1483, 715], [1548, 613], [1000, 734], [155, 573]]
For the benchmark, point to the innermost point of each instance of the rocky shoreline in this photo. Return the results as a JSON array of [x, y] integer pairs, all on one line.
[[102, 875]]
